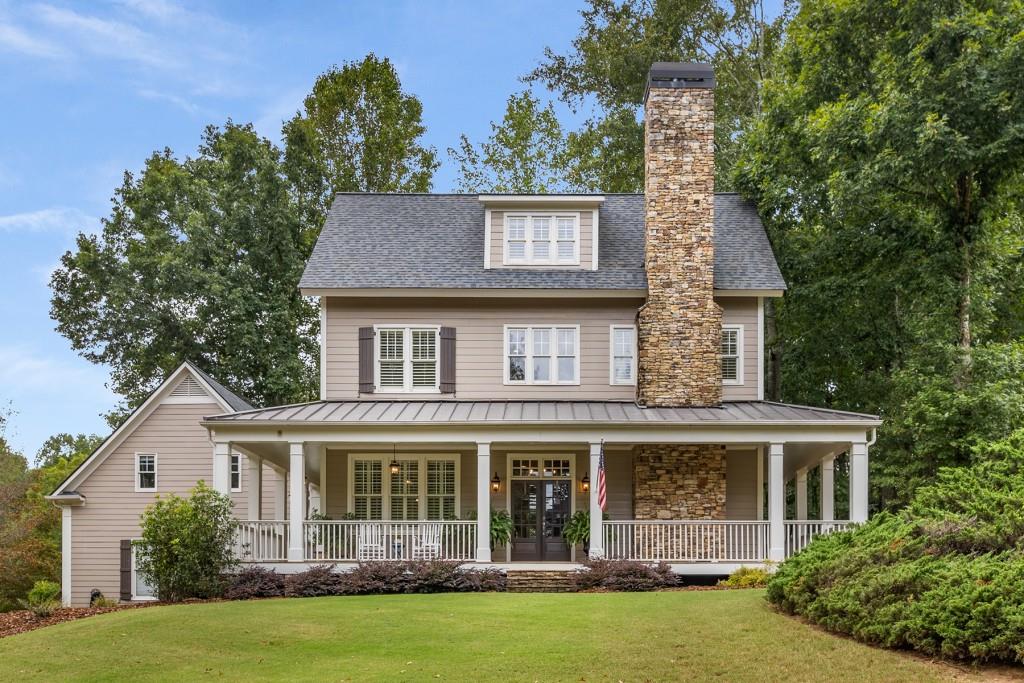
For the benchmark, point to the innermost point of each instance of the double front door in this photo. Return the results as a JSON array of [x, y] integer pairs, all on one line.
[[541, 492]]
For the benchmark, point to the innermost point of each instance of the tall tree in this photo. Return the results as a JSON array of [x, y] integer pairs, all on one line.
[[358, 132], [888, 163]]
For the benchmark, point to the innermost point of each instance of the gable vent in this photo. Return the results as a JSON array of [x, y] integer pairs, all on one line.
[[188, 388]]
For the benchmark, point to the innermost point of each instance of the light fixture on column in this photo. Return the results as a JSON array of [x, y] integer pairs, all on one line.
[[585, 483], [395, 467], [495, 483]]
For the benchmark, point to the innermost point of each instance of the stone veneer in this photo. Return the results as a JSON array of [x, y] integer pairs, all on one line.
[[679, 482], [680, 325]]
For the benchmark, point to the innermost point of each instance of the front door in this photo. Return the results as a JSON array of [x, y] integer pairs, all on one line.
[[541, 505]]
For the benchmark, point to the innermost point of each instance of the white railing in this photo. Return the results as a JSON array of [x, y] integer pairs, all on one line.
[[799, 533], [686, 541], [262, 541], [362, 541]]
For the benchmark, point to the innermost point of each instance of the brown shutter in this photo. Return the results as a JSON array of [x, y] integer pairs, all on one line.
[[447, 360], [126, 570], [366, 360]]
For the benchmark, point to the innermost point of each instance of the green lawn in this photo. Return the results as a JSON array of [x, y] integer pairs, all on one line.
[[687, 636]]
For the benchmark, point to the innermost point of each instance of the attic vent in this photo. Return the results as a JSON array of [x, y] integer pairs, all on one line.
[[188, 388]]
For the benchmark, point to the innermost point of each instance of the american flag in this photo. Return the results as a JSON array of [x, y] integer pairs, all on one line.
[[602, 492]]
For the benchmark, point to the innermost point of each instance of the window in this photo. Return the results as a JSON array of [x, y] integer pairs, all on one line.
[[141, 588], [408, 495], [542, 239], [542, 355], [524, 468], [145, 471], [623, 355], [732, 357], [236, 472], [407, 359]]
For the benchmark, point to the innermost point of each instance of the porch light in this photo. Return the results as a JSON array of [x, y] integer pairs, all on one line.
[[495, 483], [395, 467], [585, 482]]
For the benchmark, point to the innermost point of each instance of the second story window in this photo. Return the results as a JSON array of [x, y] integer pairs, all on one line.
[[542, 239], [145, 471], [407, 359], [542, 355], [623, 354], [732, 354]]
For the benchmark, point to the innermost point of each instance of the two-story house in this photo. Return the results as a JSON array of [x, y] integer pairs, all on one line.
[[535, 354]]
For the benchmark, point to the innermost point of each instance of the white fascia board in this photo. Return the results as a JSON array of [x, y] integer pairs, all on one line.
[[580, 199], [476, 293], [774, 293]]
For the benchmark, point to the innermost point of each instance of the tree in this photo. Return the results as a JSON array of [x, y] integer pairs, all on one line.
[[525, 154], [358, 132], [187, 544], [199, 260], [65, 448], [887, 164]]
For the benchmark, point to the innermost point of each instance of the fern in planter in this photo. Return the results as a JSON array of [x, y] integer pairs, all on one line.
[[501, 527], [577, 530]]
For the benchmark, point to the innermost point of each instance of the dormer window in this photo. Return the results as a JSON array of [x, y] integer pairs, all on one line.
[[543, 239]]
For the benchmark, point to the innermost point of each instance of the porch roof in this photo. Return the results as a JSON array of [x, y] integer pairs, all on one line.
[[444, 412]]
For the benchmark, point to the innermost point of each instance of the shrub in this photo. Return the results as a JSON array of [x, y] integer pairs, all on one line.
[[42, 599], [187, 544], [375, 577], [254, 582], [746, 577], [945, 576], [315, 582], [623, 575], [434, 576], [103, 602], [483, 580]]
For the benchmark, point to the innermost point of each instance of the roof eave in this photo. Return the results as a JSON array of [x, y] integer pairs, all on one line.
[[474, 292]]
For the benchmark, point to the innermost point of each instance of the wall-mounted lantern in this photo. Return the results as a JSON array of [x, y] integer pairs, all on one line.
[[495, 483], [585, 483]]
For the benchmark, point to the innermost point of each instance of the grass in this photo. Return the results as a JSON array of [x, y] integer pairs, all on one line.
[[679, 636]]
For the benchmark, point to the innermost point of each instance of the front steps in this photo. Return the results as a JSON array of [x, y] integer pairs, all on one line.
[[540, 581]]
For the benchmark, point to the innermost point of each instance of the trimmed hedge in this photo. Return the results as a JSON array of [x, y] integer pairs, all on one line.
[[623, 575], [945, 576]]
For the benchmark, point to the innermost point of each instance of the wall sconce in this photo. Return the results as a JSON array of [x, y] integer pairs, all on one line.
[[495, 483], [585, 483]]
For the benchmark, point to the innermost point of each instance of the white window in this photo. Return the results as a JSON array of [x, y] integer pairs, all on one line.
[[623, 355], [376, 493], [407, 359], [145, 471], [542, 239], [732, 354], [236, 472], [141, 588], [542, 355]]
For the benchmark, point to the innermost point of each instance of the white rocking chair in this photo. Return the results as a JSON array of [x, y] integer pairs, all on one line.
[[427, 544], [370, 542]]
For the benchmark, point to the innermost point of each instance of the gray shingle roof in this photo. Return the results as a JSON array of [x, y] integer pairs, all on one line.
[[231, 398], [437, 241], [529, 412]]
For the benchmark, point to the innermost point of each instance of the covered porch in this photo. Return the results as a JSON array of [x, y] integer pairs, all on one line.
[[705, 498]]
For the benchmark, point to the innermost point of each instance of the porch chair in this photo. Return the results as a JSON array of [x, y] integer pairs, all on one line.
[[370, 542], [427, 544]]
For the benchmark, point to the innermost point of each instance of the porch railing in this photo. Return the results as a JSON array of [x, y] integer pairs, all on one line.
[[686, 541], [362, 541], [262, 541], [799, 533]]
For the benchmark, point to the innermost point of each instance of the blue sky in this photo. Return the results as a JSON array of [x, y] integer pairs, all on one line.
[[91, 89]]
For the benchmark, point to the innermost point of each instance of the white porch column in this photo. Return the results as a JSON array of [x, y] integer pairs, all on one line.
[[254, 480], [65, 555], [596, 513], [776, 504], [222, 467], [801, 493], [483, 501], [859, 482], [760, 483], [297, 502], [323, 480], [280, 495], [828, 488]]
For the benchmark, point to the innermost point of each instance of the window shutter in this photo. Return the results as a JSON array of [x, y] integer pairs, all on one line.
[[126, 570], [366, 360], [447, 383]]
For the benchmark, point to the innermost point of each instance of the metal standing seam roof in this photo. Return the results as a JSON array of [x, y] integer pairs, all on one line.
[[527, 412], [437, 241]]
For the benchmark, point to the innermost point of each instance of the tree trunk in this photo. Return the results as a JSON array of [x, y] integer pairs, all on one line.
[[773, 351]]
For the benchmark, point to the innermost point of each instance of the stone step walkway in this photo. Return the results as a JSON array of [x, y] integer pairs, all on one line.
[[540, 581]]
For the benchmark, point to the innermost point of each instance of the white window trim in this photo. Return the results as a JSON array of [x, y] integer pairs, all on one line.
[[553, 238], [739, 355], [530, 327], [385, 460], [138, 598], [611, 355], [156, 472], [408, 388], [232, 459]]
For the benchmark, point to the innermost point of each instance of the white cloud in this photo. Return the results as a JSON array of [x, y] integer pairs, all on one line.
[[179, 102], [14, 39], [106, 37], [24, 371], [56, 219]]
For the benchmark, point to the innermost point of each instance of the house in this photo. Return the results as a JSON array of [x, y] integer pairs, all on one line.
[[501, 352]]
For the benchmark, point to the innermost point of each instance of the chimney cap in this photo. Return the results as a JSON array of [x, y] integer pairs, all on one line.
[[680, 75]]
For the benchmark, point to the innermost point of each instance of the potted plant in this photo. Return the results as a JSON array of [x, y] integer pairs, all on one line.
[[577, 530], [501, 527]]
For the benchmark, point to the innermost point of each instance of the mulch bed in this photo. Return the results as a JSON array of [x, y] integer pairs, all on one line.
[[12, 623]]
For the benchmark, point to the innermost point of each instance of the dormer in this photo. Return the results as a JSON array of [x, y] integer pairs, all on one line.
[[541, 232]]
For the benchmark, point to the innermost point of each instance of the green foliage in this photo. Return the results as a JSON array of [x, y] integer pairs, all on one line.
[[187, 544], [746, 577], [577, 529], [945, 576], [501, 528], [42, 599]]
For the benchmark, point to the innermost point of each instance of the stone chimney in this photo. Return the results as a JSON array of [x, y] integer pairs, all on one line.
[[680, 325]]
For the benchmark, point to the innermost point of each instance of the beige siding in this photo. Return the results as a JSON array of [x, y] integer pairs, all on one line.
[[741, 485], [742, 311], [479, 328], [619, 484], [586, 238]]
